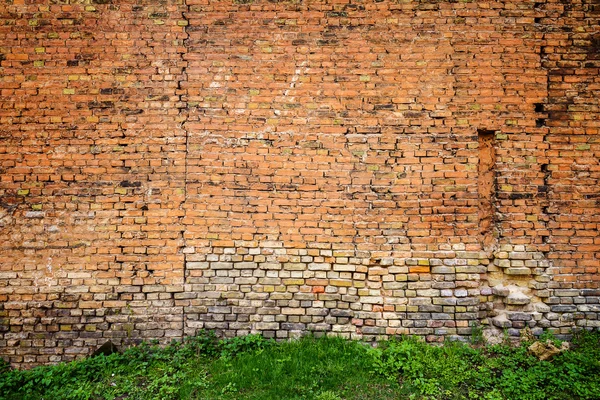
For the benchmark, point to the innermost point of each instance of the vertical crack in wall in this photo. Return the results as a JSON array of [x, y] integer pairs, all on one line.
[[545, 207], [183, 118], [542, 110], [486, 190], [486, 187]]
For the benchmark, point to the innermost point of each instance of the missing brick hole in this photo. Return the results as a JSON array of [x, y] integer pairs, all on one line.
[[547, 173], [489, 134], [539, 108], [545, 239], [537, 20]]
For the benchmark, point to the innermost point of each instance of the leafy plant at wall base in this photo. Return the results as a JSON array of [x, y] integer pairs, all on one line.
[[251, 367]]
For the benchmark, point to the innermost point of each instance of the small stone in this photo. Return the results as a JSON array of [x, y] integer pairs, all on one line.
[[500, 291], [517, 298], [501, 321], [545, 351]]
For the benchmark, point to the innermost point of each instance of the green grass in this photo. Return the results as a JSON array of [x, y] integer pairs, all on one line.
[[326, 368], [252, 367]]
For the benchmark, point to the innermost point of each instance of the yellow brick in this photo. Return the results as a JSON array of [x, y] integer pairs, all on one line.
[[340, 282], [293, 281]]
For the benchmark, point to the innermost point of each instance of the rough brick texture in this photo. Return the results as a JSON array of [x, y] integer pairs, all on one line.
[[361, 168]]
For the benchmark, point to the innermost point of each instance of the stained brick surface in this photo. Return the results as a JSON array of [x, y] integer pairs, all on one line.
[[294, 166]]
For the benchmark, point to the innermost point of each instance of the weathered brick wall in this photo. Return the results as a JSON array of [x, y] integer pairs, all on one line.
[[571, 55], [92, 182], [364, 168]]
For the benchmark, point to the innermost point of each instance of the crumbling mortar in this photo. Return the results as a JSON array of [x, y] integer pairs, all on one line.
[[184, 115]]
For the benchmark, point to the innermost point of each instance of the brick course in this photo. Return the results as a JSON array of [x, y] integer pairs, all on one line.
[[362, 168]]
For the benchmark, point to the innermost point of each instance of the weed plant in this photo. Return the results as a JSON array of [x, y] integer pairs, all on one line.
[[458, 371], [252, 367]]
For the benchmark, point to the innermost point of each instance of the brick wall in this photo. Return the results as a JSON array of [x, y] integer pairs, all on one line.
[[363, 168]]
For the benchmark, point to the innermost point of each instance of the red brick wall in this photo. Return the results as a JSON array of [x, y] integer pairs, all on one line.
[[92, 182], [283, 167]]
